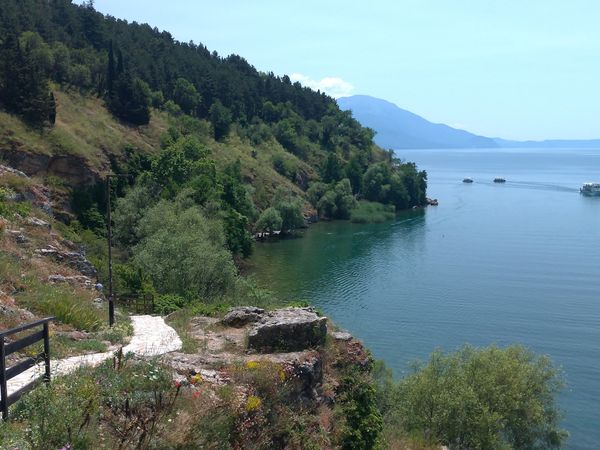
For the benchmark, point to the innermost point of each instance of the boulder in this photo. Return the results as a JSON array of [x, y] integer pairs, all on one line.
[[341, 336], [243, 315], [288, 330]]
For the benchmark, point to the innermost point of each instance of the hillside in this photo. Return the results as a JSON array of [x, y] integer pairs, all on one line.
[[398, 128]]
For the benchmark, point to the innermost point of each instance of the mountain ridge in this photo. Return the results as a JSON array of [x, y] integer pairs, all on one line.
[[399, 128]]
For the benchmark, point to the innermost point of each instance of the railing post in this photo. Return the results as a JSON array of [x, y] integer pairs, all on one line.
[[3, 389], [47, 351]]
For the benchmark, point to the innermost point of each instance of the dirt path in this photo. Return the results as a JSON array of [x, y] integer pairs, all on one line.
[[151, 337]]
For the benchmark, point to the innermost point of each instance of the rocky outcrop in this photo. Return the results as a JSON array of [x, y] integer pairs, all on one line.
[[288, 330], [242, 315], [71, 168], [75, 260]]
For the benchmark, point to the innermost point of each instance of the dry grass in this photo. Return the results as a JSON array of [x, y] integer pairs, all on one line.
[[83, 128]]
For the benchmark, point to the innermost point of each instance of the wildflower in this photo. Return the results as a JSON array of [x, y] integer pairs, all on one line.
[[196, 379], [252, 365], [196, 394], [177, 384], [253, 403]]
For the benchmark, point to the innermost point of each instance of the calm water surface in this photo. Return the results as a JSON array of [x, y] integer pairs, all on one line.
[[492, 264]]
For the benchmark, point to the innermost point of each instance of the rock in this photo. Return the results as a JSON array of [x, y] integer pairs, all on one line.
[[288, 329], [79, 262], [341, 336], [80, 280], [77, 335], [243, 315], [6, 169], [38, 222], [21, 239], [75, 260], [57, 279], [310, 375]]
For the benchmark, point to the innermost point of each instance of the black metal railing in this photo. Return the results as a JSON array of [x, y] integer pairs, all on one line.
[[7, 373]]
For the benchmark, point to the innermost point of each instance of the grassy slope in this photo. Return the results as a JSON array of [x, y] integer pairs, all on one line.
[[84, 128]]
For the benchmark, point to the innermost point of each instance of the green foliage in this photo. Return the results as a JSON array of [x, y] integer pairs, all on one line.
[[62, 302], [9, 207], [130, 401], [186, 96], [24, 86], [290, 210], [397, 184], [358, 404], [372, 212], [168, 303], [270, 220], [487, 398], [333, 201], [221, 120], [285, 166], [130, 100], [183, 251]]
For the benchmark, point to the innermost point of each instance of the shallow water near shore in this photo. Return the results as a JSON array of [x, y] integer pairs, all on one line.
[[517, 262]]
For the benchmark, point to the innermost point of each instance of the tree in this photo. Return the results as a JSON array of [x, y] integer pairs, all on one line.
[[130, 99], [290, 210], [186, 96], [487, 398], [270, 220], [221, 120], [183, 252], [333, 169], [24, 84]]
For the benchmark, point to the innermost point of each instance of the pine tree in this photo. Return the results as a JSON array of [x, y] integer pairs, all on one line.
[[24, 85]]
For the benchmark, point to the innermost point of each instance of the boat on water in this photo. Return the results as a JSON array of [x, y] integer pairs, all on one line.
[[467, 180], [499, 180], [590, 189]]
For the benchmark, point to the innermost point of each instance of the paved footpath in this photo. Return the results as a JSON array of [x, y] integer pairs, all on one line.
[[151, 337]]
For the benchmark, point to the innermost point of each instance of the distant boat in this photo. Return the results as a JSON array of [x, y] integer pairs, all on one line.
[[499, 180], [467, 180], [590, 189]]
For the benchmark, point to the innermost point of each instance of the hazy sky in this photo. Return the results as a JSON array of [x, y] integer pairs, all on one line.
[[522, 69]]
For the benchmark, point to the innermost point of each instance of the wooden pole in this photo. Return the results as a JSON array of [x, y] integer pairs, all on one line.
[[3, 389]]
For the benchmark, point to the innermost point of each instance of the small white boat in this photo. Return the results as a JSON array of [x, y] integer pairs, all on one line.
[[467, 180], [590, 189], [499, 180]]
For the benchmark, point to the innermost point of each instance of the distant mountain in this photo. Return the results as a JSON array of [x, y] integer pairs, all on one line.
[[398, 128]]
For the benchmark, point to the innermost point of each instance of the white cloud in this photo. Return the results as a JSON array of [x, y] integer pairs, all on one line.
[[334, 86]]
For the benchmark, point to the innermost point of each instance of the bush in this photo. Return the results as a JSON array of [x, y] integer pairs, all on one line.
[[487, 398], [168, 303], [270, 220], [124, 406], [183, 252]]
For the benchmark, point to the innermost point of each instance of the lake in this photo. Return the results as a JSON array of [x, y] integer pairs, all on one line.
[[517, 262]]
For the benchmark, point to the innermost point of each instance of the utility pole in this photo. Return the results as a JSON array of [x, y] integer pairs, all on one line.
[[111, 297]]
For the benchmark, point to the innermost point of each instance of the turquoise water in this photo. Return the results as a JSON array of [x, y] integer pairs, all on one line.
[[492, 264]]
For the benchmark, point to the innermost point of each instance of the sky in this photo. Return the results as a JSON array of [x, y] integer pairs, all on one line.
[[517, 69]]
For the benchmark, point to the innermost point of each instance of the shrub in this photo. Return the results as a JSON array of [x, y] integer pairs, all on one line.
[[488, 398], [122, 405], [168, 303], [183, 252], [270, 220]]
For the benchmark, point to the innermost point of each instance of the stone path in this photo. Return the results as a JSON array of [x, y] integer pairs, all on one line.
[[151, 337]]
